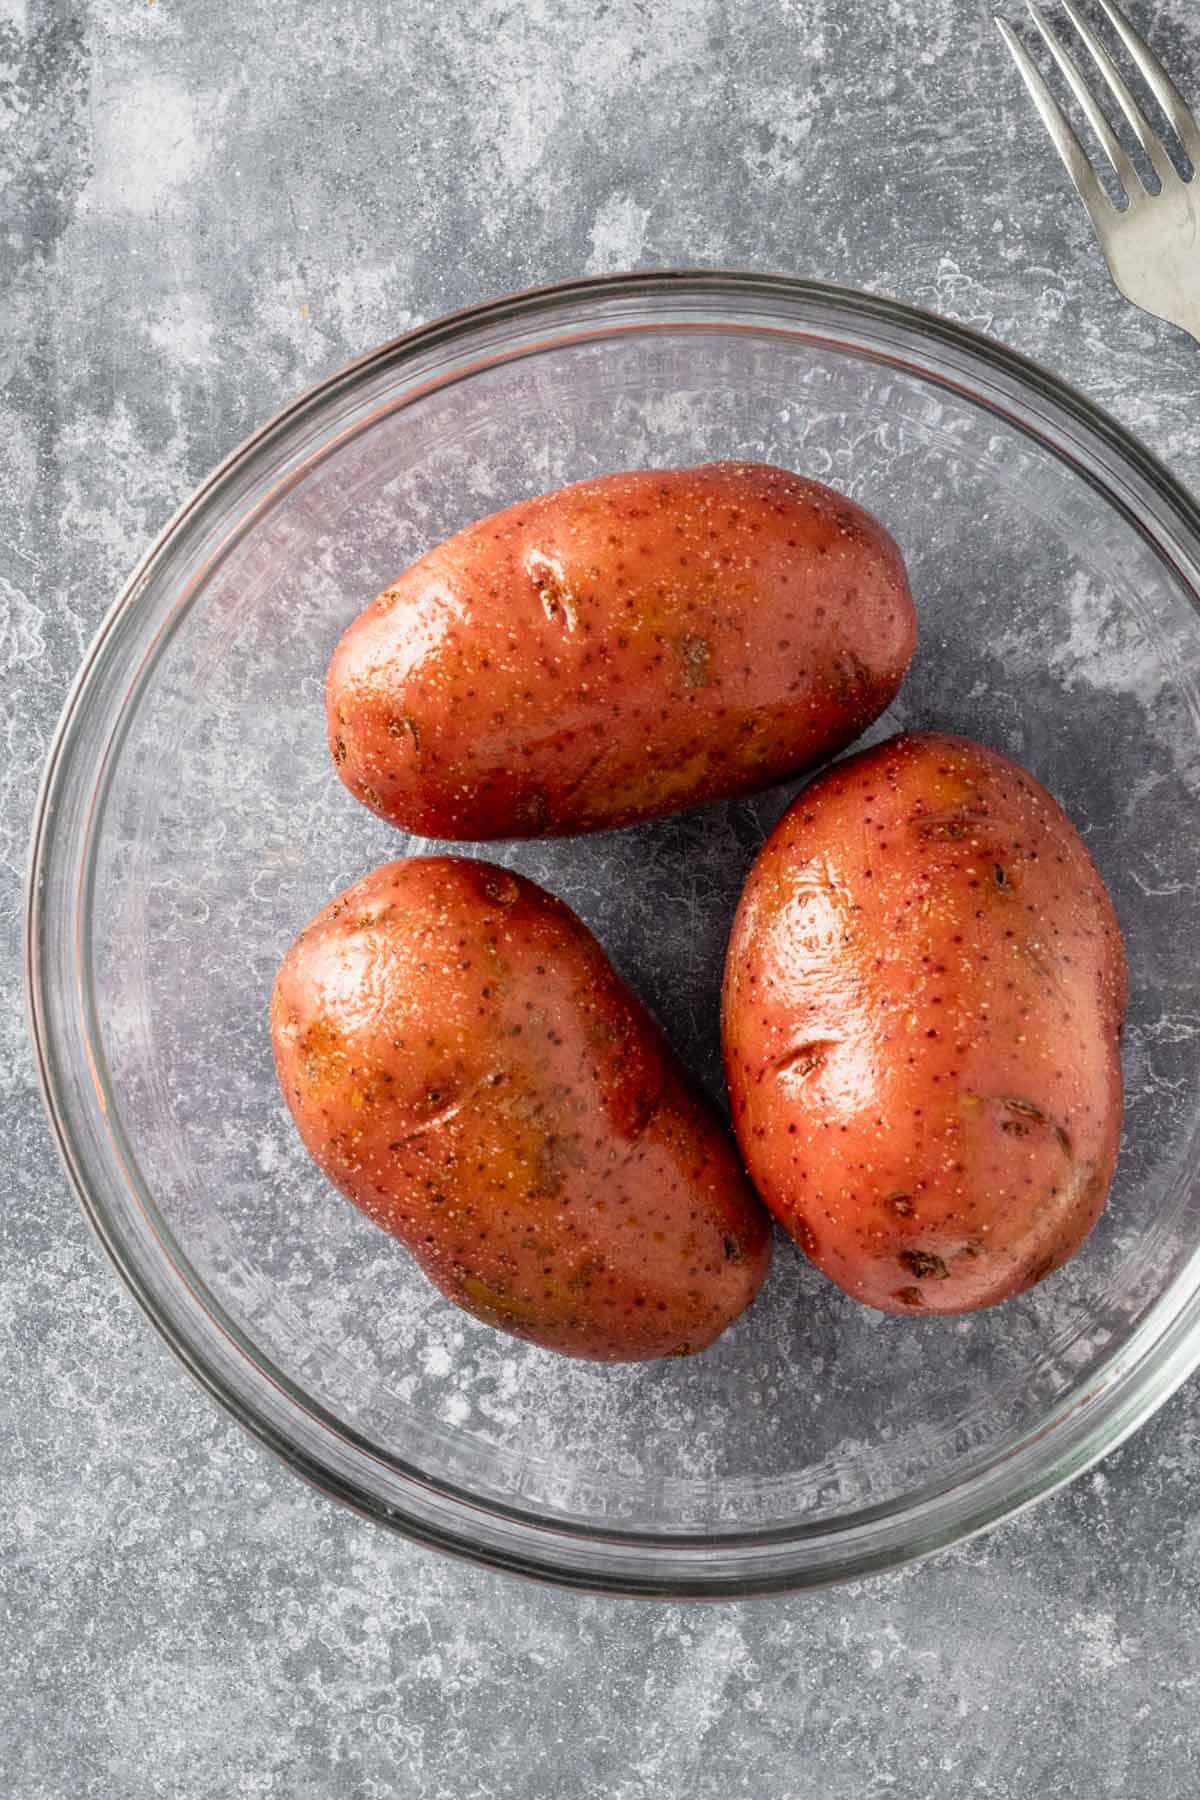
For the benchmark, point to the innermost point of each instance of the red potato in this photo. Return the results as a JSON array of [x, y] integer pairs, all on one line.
[[923, 997], [464, 1063], [620, 649]]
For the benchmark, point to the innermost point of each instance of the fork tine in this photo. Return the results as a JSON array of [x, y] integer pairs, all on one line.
[[1158, 81], [1143, 130], [1115, 151], [1087, 182]]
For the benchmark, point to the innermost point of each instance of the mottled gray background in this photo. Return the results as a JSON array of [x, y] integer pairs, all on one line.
[[205, 208]]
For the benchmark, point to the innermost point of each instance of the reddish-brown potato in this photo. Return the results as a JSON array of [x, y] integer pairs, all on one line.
[[620, 649], [923, 998], [463, 1062]]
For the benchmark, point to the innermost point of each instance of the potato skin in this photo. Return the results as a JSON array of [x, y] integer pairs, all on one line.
[[620, 649], [463, 1061], [923, 998]]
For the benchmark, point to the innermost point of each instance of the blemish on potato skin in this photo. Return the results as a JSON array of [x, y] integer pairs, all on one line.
[[695, 654], [586, 1274], [954, 826], [532, 811], [805, 1059], [404, 725], [554, 590], [851, 677], [1021, 1117], [502, 889], [924, 1265]]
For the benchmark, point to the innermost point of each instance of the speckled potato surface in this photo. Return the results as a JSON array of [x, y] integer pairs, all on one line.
[[923, 997], [462, 1060], [620, 649]]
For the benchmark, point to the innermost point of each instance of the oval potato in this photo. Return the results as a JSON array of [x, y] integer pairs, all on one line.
[[618, 650], [923, 996], [464, 1063]]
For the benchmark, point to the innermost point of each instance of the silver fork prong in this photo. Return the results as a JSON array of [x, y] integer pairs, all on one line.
[[1115, 151], [1145, 133], [1158, 81], [1074, 156]]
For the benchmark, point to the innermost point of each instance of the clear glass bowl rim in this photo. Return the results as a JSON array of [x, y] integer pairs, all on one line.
[[1137, 1379]]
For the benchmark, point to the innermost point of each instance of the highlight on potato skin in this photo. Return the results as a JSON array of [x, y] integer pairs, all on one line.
[[923, 997], [620, 649], [464, 1063]]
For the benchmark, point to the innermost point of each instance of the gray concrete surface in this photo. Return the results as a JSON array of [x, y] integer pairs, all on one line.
[[204, 209]]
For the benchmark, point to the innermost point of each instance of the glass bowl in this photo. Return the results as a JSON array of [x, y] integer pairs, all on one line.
[[191, 822]]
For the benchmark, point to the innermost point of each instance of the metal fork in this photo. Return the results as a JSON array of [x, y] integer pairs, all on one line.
[[1152, 245]]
